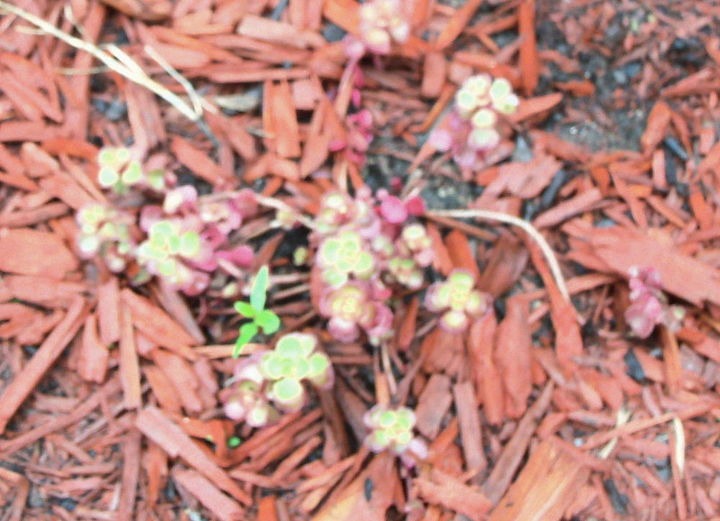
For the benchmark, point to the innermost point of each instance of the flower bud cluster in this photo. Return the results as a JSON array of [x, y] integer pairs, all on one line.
[[363, 247], [269, 382], [474, 126], [182, 238]]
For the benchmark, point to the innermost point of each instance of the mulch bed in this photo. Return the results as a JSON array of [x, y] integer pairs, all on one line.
[[547, 408]]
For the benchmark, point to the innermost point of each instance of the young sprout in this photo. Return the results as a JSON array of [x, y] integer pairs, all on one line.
[[118, 171], [457, 299], [293, 360], [255, 310], [649, 305], [390, 429]]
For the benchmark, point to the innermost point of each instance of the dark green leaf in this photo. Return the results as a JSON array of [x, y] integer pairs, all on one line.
[[268, 321], [247, 333], [259, 288]]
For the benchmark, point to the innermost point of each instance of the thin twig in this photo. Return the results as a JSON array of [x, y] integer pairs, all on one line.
[[528, 228], [115, 60]]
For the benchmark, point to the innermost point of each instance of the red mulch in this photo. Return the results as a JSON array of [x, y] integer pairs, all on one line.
[[545, 410]]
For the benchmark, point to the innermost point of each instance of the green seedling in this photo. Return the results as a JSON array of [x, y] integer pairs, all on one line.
[[255, 310]]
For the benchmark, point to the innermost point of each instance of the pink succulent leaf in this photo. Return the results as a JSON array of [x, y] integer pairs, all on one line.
[[415, 206], [393, 210], [381, 325], [246, 203], [362, 120], [354, 47], [197, 284], [430, 297], [182, 198], [644, 314], [234, 410], [149, 215], [356, 96], [213, 237], [441, 139], [343, 330], [242, 256]]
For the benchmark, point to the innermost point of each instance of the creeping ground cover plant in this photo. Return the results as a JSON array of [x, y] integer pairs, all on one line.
[[477, 120], [269, 382], [153, 227]]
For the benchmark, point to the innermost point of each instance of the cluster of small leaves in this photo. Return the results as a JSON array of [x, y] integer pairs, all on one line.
[[648, 304], [392, 429], [382, 24], [261, 318], [457, 299], [105, 231], [180, 237], [269, 382], [475, 124], [364, 247], [119, 172]]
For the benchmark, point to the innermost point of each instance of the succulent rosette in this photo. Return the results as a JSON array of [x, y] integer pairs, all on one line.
[[392, 429], [293, 360], [473, 127], [457, 300], [269, 381]]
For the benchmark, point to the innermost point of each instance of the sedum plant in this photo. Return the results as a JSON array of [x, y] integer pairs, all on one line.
[[180, 237], [351, 309], [475, 124], [392, 429], [364, 247], [119, 172], [168, 250], [294, 360], [342, 256], [457, 300], [269, 382], [105, 231], [382, 24], [261, 318], [648, 304]]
